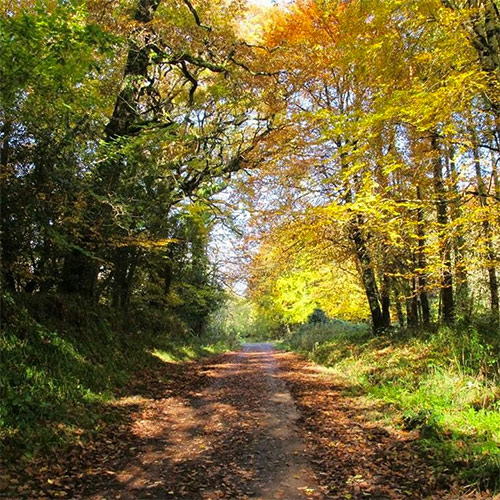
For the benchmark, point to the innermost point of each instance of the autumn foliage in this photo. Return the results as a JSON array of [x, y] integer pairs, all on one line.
[[352, 146]]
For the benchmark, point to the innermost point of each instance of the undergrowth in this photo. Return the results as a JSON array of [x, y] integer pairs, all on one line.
[[443, 383], [63, 361]]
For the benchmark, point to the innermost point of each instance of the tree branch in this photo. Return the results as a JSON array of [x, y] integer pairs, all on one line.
[[192, 79], [193, 11]]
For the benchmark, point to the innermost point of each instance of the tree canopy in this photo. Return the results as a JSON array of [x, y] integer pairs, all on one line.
[[362, 137]]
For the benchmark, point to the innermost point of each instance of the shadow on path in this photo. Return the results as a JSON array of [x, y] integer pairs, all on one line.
[[228, 427]]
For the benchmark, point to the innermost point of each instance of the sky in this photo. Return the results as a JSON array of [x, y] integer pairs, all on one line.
[[264, 3], [224, 248]]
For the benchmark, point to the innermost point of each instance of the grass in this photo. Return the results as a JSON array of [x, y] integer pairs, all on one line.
[[178, 353], [61, 371], [443, 383]]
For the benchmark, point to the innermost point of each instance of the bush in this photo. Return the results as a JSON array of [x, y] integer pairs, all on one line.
[[311, 337], [317, 316], [238, 319]]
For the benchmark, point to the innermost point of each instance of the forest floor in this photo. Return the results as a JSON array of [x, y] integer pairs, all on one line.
[[257, 423]]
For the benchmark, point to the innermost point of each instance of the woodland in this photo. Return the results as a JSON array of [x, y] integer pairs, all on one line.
[[181, 176]]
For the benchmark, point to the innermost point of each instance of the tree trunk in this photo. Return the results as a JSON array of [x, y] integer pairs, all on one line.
[[385, 300], [400, 314], [168, 277], [492, 274], [421, 262], [397, 296], [367, 273], [79, 275], [8, 247], [496, 180], [483, 30], [412, 304], [125, 264], [120, 285], [463, 303], [124, 120], [366, 267], [78, 268], [484, 33], [447, 300]]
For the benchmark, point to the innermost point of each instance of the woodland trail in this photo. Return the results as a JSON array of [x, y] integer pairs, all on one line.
[[254, 424], [234, 439]]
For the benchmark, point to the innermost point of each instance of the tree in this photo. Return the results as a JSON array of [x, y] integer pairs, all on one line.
[[119, 124], [377, 96]]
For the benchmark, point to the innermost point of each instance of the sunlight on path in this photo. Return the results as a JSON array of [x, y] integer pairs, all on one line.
[[234, 439], [289, 476]]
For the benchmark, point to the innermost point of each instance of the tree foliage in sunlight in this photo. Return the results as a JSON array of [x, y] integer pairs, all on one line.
[[361, 140], [289, 281], [112, 125], [394, 159]]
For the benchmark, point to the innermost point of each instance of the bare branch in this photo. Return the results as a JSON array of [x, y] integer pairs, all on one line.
[[253, 73], [192, 79]]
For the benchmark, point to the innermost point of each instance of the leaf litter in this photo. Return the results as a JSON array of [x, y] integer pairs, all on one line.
[[253, 424]]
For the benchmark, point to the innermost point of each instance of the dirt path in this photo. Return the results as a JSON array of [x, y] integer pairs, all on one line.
[[234, 439], [254, 424]]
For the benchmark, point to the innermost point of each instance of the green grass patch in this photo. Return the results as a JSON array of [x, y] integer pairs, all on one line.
[[175, 353], [61, 371], [443, 383]]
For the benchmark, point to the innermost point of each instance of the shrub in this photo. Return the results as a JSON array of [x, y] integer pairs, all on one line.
[[62, 360], [317, 316]]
